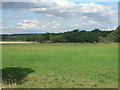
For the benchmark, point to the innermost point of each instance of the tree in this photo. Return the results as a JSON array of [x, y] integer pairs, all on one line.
[[41, 38], [74, 36], [104, 39], [76, 30], [115, 35], [38, 38], [57, 39]]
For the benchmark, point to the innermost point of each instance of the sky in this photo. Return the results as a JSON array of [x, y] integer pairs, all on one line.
[[54, 16]]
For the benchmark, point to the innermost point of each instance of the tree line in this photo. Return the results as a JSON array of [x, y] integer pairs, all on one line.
[[75, 36]]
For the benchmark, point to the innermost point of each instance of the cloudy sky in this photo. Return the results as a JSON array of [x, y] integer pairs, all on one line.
[[40, 16]]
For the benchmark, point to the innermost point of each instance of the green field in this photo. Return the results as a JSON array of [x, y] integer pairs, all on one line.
[[60, 65]]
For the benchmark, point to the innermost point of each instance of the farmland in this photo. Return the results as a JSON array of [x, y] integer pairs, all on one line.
[[60, 65]]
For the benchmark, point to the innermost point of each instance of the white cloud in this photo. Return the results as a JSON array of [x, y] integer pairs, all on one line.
[[62, 8], [49, 15], [43, 26], [88, 23], [39, 9], [22, 27], [68, 0], [28, 24], [50, 26], [65, 15], [84, 17]]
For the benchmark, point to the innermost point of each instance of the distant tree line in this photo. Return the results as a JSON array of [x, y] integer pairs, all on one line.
[[75, 36]]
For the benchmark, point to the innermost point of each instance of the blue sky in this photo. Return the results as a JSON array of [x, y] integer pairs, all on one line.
[[94, 0], [58, 16]]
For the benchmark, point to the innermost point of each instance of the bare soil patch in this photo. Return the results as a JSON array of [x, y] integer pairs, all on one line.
[[14, 42]]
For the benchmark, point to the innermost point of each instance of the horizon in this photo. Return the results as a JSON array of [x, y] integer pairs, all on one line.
[[47, 32]]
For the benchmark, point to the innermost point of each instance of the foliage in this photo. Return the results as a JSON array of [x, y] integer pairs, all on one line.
[[115, 35], [75, 36]]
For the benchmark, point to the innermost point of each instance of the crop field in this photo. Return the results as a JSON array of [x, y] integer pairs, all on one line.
[[60, 65]]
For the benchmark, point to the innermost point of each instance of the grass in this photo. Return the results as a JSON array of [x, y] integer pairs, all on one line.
[[61, 65]]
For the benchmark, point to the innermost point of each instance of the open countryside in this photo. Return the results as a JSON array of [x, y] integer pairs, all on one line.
[[61, 65], [59, 44]]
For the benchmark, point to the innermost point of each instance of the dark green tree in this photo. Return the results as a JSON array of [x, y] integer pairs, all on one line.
[[115, 35]]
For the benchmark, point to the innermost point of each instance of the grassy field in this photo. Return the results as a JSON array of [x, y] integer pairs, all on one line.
[[60, 65]]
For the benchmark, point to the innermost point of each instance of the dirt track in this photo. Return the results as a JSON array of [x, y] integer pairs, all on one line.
[[13, 42]]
